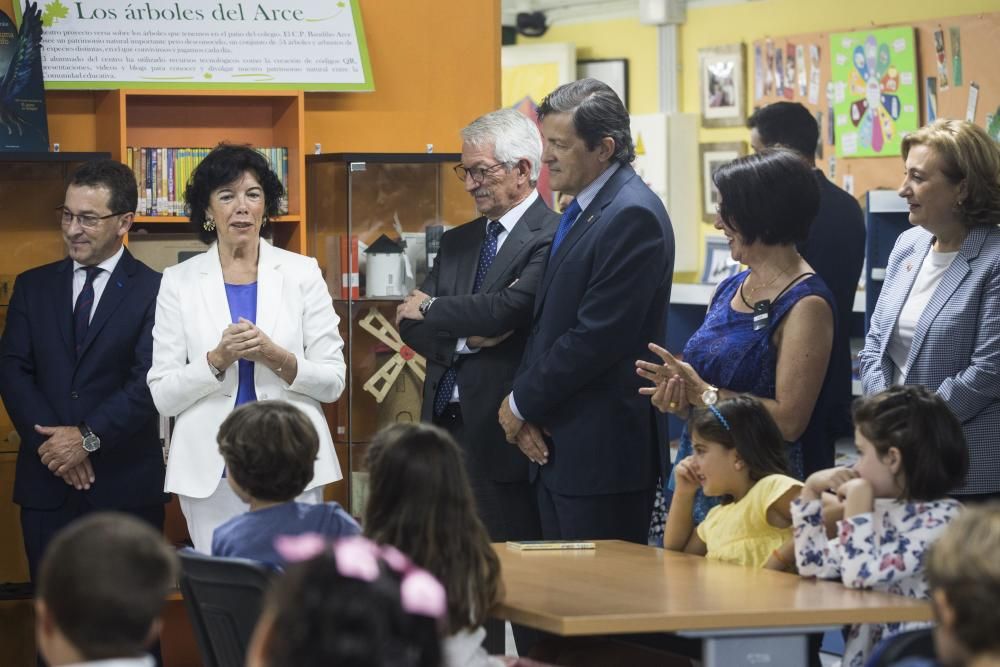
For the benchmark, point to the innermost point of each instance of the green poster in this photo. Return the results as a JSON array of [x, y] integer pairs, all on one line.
[[874, 76]]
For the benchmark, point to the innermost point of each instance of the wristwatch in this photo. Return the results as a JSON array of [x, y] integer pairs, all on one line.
[[91, 443], [710, 396], [425, 305]]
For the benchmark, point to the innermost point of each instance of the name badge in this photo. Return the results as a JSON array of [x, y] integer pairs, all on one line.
[[761, 314]]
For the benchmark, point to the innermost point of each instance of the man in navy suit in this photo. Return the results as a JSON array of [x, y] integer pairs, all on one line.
[[470, 319], [835, 248], [73, 362], [575, 409]]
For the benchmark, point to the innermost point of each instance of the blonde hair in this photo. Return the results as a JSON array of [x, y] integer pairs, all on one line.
[[969, 154], [964, 564]]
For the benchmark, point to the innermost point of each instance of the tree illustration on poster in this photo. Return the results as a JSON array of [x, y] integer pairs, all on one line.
[[874, 79], [23, 124]]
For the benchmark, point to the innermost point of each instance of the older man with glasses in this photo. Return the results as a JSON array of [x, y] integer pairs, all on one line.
[[73, 362], [470, 319]]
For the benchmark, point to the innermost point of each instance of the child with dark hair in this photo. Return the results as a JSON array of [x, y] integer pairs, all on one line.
[[350, 604], [739, 455], [101, 588], [421, 503], [269, 448], [892, 503]]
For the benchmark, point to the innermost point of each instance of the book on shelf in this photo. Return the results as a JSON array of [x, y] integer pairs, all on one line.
[[162, 174]]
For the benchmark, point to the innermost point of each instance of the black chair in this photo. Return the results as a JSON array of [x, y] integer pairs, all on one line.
[[911, 644], [223, 597]]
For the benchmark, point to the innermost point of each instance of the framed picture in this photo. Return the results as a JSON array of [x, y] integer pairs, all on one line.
[[723, 86], [713, 155], [719, 263], [613, 72]]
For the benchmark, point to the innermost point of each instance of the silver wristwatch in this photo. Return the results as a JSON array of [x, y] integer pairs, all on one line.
[[425, 305], [91, 443], [710, 396]]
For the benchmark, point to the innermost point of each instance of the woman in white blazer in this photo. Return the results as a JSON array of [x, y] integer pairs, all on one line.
[[937, 320], [244, 321]]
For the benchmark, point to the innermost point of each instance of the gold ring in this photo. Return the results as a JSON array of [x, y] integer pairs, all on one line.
[[673, 404]]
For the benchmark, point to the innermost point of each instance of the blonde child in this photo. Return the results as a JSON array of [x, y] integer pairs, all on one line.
[[739, 454], [893, 503]]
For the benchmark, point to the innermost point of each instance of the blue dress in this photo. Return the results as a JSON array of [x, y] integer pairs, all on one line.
[[726, 352]]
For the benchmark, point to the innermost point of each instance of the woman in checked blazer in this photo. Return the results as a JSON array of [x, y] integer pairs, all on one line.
[[937, 320]]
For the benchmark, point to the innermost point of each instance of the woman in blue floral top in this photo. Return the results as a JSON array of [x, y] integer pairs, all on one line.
[[870, 525]]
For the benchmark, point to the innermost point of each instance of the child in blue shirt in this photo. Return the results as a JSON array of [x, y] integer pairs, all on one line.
[[269, 448]]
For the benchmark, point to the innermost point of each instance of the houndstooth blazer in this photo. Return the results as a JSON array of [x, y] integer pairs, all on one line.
[[956, 343]]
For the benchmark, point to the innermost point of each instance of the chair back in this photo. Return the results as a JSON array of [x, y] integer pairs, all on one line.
[[223, 597], [910, 644]]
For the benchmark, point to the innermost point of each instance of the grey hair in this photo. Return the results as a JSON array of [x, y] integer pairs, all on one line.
[[513, 136]]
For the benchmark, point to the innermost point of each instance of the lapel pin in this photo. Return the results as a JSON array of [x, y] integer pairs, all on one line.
[[119, 284], [909, 266]]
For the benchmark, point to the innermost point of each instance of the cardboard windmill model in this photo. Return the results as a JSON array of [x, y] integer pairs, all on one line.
[[378, 384]]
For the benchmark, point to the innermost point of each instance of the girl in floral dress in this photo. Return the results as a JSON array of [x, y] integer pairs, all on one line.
[[870, 525]]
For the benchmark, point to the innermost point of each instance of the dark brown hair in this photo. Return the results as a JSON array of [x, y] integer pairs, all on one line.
[[747, 427], [421, 503], [105, 579], [918, 423], [270, 448]]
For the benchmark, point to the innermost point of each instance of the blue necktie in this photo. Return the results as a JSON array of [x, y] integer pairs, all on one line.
[[84, 304], [565, 224], [487, 253]]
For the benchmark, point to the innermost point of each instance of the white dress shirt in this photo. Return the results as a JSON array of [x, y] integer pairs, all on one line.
[[100, 280]]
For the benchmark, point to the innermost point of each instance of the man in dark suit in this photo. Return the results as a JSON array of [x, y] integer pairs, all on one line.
[[835, 248], [471, 315], [73, 362], [575, 410]]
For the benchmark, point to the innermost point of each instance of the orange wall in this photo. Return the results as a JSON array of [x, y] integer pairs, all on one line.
[[436, 66]]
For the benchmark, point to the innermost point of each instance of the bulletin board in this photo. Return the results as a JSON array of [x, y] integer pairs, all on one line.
[[979, 35]]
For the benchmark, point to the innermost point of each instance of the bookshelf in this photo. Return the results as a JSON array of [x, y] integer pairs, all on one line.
[[204, 118]]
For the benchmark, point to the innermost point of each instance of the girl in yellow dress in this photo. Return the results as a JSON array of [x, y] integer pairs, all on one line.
[[739, 454]]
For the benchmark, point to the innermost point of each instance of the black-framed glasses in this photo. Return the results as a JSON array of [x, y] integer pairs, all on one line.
[[477, 174], [87, 220]]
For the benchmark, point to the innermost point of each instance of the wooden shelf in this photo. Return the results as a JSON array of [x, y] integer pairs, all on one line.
[[70, 156], [183, 220]]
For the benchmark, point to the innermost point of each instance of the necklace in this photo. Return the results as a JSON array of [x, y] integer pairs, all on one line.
[[753, 290]]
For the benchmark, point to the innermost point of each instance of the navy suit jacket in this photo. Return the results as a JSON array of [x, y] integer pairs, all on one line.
[[835, 249], [504, 303], [43, 382], [602, 299]]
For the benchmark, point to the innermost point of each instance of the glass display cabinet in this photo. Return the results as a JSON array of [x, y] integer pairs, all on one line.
[[375, 220]]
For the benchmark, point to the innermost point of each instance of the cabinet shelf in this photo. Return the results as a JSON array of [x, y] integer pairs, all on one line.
[[183, 220], [71, 156]]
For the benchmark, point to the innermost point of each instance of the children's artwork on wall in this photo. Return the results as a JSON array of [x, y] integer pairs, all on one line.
[[874, 73], [719, 263]]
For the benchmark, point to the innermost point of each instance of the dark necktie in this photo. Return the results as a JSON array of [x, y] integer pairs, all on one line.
[[565, 224], [84, 304], [487, 253]]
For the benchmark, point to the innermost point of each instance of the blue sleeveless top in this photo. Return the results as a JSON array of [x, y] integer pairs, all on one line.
[[728, 353]]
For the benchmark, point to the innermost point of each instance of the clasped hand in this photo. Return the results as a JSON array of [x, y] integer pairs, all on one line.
[[676, 385], [243, 340], [527, 436], [64, 455], [410, 308], [843, 491]]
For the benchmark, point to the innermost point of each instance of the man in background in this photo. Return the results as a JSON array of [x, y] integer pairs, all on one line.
[[102, 586], [835, 248], [575, 410], [73, 362], [470, 317]]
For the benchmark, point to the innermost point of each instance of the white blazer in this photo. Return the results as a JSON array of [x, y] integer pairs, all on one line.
[[293, 308]]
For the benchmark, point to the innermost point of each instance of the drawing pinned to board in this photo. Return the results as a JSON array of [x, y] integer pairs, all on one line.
[[769, 68], [956, 55], [942, 62], [931, 102], [875, 90], [790, 71]]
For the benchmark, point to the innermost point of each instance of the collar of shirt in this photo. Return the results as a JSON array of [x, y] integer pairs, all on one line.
[[589, 193], [510, 218], [108, 265]]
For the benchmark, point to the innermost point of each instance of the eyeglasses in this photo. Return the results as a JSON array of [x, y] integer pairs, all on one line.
[[477, 174], [66, 217]]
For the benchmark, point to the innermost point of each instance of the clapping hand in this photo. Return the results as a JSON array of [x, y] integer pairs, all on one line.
[[672, 367]]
